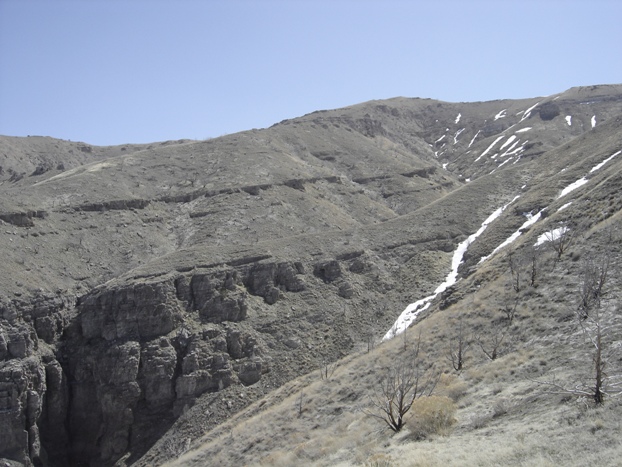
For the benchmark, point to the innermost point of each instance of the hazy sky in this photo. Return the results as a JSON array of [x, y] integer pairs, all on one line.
[[135, 71]]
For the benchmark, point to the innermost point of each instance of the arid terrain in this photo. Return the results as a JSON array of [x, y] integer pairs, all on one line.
[[224, 302]]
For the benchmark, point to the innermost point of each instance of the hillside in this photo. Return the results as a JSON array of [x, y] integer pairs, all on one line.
[[180, 296]]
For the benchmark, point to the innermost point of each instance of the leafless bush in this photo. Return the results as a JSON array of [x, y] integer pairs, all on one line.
[[458, 348], [509, 309], [560, 239], [492, 347], [524, 266], [594, 319], [593, 279], [300, 404], [402, 384], [515, 262], [327, 369]]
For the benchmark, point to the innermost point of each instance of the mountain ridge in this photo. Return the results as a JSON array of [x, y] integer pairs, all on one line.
[[145, 281]]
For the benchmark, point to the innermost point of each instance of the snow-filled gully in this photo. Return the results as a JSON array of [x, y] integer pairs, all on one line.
[[408, 316], [412, 310]]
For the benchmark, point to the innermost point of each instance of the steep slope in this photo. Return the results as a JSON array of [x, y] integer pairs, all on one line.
[[512, 407], [155, 285]]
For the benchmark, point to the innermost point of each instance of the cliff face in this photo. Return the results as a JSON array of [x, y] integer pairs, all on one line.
[[195, 277]]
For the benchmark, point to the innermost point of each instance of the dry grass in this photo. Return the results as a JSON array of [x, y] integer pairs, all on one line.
[[493, 412]]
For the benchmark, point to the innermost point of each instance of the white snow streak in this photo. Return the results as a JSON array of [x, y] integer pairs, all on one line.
[[500, 114], [532, 220], [440, 139], [528, 111], [573, 186], [474, 137], [489, 147], [412, 310], [522, 130], [569, 120], [593, 121], [509, 150], [458, 134], [458, 118], [598, 166], [564, 206], [510, 139]]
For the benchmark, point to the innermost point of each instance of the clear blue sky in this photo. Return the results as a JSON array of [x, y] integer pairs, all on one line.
[[135, 71]]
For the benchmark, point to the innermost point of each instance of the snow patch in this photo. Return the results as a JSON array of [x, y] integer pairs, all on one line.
[[569, 120], [440, 139], [457, 134], [510, 139], [551, 236], [593, 121], [474, 137], [528, 111], [573, 186], [598, 166], [509, 150], [410, 313], [489, 147], [458, 118], [500, 114], [529, 222], [522, 130]]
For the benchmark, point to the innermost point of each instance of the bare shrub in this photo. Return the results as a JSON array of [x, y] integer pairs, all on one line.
[[380, 460], [509, 309], [433, 415], [458, 348], [594, 319], [493, 345], [501, 407], [594, 274], [515, 262], [401, 385], [452, 386], [559, 239], [327, 369]]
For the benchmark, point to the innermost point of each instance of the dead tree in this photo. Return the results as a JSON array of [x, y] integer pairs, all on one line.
[[593, 279], [492, 348], [515, 261], [402, 384], [326, 368], [533, 259], [559, 239], [593, 316], [509, 309], [458, 348]]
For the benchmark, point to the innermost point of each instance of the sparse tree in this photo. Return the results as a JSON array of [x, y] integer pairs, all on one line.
[[370, 337], [533, 259], [515, 262], [458, 348], [509, 309], [594, 275], [300, 403], [560, 239], [327, 368], [601, 384], [492, 348], [593, 317], [402, 384]]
